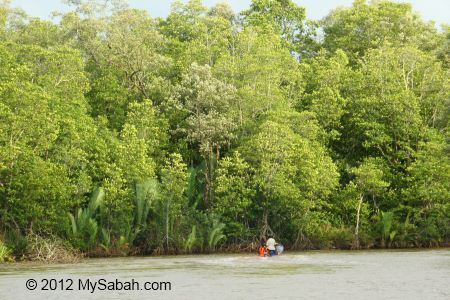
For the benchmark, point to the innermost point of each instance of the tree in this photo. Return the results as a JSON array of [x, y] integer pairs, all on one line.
[[37, 32], [235, 193], [196, 35], [370, 184], [3, 18], [126, 164], [263, 71], [288, 20], [321, 140], [396, 92], [428, 175], [173, 186], [324, 93], [151, 127], [367, 26], [208, 104], [293, 172], [443, 52], [44, 135], [125, 55]]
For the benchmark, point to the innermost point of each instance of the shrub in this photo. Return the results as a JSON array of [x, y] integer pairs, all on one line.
[[5, 252]]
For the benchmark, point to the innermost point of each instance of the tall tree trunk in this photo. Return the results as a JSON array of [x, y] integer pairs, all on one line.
[[217, 154], [358, 211], [211, 174], [167, 225], [265, 230], [207, 173], [265, 221], [206, 192]]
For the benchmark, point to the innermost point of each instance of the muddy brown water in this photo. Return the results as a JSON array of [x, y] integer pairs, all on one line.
[[294, 275]]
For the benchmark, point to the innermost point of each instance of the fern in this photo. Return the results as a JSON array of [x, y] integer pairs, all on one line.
[[194, 190], [191, 240], [83, 224], [106, 239], [215, 235], [392, 235], [96, 200], [91, 231], [386, 221], [145, 193], [73, 223]]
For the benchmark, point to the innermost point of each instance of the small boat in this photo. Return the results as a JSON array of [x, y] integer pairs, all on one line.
[[279, 248]]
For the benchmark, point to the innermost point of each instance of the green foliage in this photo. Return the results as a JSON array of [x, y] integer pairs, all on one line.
[[287, 19], [235, 191], [386, 222], [145, 193], [369, 177], [105, 240], [191, 239], [210, 129], [84, 225], [215, 235], [45, 134], [325, 78], [208, 104], [5, 252], [196, 35], [17, 242], [367, 26], [429, 175], [172, 201]]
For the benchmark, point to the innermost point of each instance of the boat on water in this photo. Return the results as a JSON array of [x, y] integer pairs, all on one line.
[[279, 248]]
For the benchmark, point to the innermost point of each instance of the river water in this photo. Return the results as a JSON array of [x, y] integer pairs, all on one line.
[[293, 275]]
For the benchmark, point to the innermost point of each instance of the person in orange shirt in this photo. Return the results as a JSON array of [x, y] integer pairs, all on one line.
[[262, 249]]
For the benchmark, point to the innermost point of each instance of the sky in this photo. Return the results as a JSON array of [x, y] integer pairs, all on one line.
[[436, 10]]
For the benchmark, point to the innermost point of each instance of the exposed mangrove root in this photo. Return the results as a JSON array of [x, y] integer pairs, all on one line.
[[51, 250]]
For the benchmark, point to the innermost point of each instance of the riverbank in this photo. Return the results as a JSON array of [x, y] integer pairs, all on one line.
[[57, 254]]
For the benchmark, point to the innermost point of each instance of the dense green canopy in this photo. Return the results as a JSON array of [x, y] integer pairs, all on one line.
[[121, 133]]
